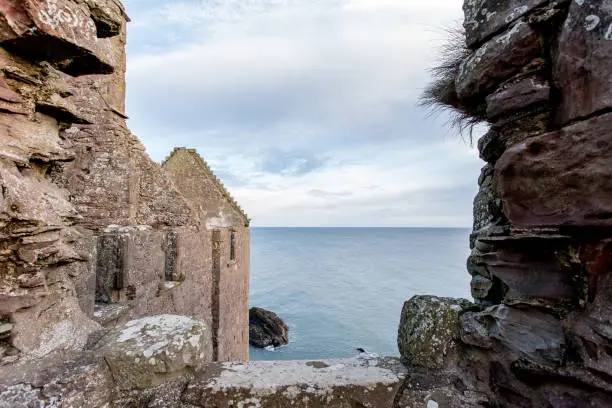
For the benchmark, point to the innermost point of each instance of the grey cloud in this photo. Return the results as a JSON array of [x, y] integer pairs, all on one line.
[[285, 90], [291, 163], [318, 193]]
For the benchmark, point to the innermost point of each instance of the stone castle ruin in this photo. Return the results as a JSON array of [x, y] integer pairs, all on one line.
[[122, 281], [94, 233]]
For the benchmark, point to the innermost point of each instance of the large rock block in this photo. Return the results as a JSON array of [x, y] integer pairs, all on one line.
[[342, 383], [484, 18], [497, 60], [537, 268], [526, 93], [519, 334], [59, 31], [22, 139], [490, 147], [560, 178], [583, 60], [148, 351], [33, 199], [429, 330], [62, 380]]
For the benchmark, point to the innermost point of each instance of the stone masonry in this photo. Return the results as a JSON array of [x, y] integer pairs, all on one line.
[[540, 332], [218, 212]]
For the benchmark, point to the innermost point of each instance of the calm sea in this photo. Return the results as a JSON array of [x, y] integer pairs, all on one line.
[[342, 288]]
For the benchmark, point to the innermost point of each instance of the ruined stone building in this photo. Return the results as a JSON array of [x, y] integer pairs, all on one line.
[[92, 232]]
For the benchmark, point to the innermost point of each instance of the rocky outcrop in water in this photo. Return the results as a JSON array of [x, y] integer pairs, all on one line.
[[266, 329]]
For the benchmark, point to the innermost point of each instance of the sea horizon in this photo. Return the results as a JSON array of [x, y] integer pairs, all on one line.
[[350, 227], [340, 288]]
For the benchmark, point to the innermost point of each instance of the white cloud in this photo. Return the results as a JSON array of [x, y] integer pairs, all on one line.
[[327, 89]]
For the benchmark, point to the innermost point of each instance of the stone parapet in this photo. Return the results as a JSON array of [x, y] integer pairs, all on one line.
[[86, 380]]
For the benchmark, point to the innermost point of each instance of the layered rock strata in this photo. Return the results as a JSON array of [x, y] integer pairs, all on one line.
[[93, 232], [541, 260]]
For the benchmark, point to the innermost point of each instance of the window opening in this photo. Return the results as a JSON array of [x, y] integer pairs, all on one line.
[[233, 246]]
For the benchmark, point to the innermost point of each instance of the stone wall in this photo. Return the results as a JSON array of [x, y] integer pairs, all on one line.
[[540, 332], [233, 306], [92, 231], [220, 215], [209, 199]]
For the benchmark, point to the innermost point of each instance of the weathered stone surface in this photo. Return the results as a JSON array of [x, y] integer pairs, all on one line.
[[541, 271], [430, 389], [490, 146], [266, 328], [520, 95], [61, 31], [560, 178], [108, 15], [481, 286], [518, 128], [110, 313], [485, 18], [150, 350], [22, 139], [533, 272], [525, 334], [62, 380], [497, 60], [429, 329], [487, 203], [330, 383], [583, 58], [219, 214]]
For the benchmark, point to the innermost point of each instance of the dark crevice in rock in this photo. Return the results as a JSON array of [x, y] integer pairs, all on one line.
[[498, 291], [105, 27], [63, 55], [585, 118], [171, 256], [60, 113], [109, 268]]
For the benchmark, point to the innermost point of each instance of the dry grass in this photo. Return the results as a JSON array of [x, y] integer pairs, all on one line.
[[440, 94]]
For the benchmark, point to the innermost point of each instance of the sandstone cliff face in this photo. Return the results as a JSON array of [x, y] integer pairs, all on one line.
[[46, 253], [91, 230], [541, 257]]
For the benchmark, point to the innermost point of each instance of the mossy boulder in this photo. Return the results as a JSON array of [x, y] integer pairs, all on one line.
[[429, 330]]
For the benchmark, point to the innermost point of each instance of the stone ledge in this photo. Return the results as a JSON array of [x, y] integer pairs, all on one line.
[[342, 383]]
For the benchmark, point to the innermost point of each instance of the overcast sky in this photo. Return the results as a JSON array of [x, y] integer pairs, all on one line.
[[306, 109]]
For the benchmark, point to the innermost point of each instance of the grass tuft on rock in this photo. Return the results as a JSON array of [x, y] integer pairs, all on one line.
[[440, 94]]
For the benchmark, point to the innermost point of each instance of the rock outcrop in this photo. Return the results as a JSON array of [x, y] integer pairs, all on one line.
[[429, 331], [541, 257], [266, 328]]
